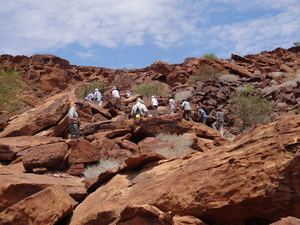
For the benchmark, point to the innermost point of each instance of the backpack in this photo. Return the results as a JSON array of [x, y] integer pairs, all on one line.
[[138, 112]]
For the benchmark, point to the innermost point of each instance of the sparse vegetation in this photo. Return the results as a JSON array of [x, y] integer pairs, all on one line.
[[247, 90], [10, 87], [182, 95], [211, 56], [180, 142], [205, 73], [229, 78], [296, 44], [281, 104], [149, 89], [249, 111], [123, 79], [102, 166], [91, 87]]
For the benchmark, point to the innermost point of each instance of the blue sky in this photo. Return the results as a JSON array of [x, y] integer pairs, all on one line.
[[136, 33]]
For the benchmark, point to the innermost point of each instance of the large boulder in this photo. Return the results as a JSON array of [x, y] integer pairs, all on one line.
[[37, 119], [254, 177], [10, 146], [45, 207], [50, 156]]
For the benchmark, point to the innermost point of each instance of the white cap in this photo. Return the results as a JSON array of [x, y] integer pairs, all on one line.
[[96, 89]]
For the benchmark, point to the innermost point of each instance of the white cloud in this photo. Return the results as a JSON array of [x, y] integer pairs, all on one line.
[[31, 26]]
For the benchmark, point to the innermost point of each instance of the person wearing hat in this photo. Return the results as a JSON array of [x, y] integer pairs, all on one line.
[[139, 109], [97, 96], [116, 95], [74, 120], [219, 123], [154, 102], [185, 105]]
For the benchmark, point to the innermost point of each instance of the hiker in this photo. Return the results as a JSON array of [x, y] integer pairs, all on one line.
[[202, 115], [97, 97], [90, 97], [116, 96], [139, 109], [219, 123], [74, 120], [154, 102], [172, 105], [186, 110], [128, 94]]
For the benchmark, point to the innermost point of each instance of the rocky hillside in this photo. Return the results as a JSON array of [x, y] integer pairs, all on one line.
[[250, 180]]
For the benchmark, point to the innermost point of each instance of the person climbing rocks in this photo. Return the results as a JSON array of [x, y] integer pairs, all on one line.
[[154, 102], [74, 120], [116, 96], [139, 109], [186, 110], [172, 105], [219, 123], [97, 96], [202, 115]]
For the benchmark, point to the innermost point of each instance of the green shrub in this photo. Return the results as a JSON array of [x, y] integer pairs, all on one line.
[[102, 166], [180, 142], [247, 90], [150, 89], [91, 87], [10, 87], [205, 73], [211, 56], [249, 111]]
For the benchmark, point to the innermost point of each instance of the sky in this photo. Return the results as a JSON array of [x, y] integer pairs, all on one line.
[[135, 33]]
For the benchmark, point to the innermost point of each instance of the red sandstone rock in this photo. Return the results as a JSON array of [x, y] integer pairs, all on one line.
[[10, 146], [82, 151], [34, 120], [149, 144], [50, 156], [44, 207]]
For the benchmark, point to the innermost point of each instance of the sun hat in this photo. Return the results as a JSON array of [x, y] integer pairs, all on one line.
[[140, 100], [96, 89], [114, 87], [79, 103]]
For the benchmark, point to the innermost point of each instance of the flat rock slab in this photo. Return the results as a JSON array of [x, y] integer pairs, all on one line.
[[9, 146]]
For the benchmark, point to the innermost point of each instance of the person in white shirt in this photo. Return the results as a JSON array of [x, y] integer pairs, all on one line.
[[74, 120], [90, 97], [186, 110], [172, 105], [116, 96], [154, 102], [139, 109], [97, 96]]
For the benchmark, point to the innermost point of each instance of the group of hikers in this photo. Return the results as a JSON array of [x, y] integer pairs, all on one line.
[[140, 110]]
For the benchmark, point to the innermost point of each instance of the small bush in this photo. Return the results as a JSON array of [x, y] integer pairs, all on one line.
[[102, 166], [123, 79], [150, 89], [267, 90], [257, 73], [182, 95], [249, 111], [296, 44], [181, 145], [91, 87], [11, 86], [228, 78], [211, 56], [205, 73], [290, 83], [247, 90]]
